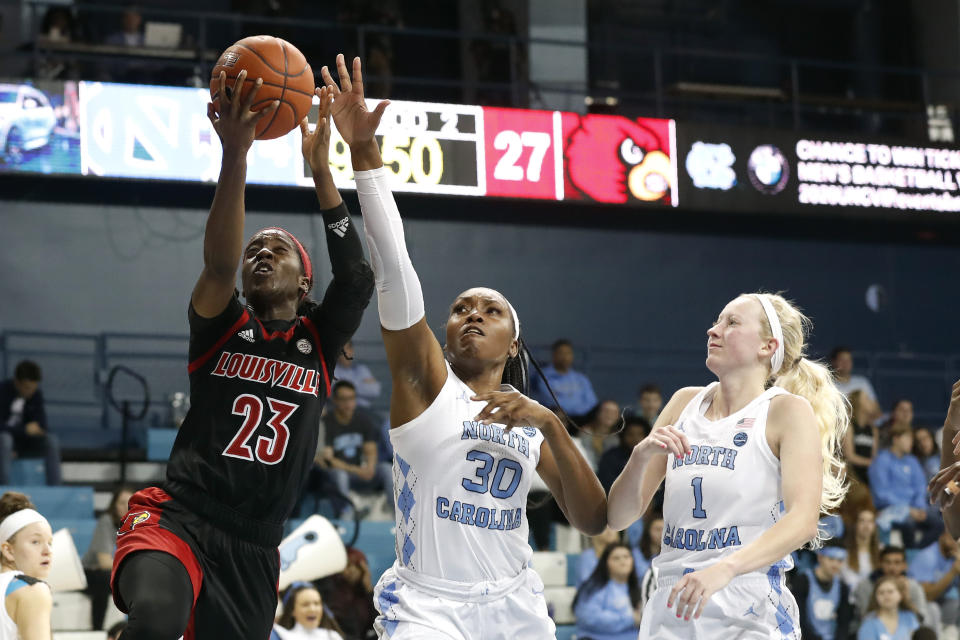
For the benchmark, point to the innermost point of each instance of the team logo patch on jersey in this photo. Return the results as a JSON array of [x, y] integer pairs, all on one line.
[[132, 520], [340, 227], [304, 346], [740, 439], [246, 334], [530, 431]]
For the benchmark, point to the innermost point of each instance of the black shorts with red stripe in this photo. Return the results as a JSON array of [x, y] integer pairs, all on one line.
[[234, 581]]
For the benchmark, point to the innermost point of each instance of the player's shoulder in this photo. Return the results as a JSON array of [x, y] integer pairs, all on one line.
[[25, 588], [684, 395], [789, 404]]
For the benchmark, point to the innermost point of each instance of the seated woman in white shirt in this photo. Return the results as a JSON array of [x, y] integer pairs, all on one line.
[[304, 617]]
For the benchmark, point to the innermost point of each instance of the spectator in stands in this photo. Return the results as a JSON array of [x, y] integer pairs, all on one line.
[[349, 596], [304, 616], [599, 430], [573, 389], [98, 560], [901, 414], [649, 402], [841, 361], [861, 442], [936, 569], [899, 488], [823, 598], [349, 457], [606, 605], [366, 385], [863, 548], [891, 615], [58, 24], [650, 541], [614, 459], [131, 35], [113, 633], [893, 565], [23, 423], [589, 557], [26, 554], [926, 451]]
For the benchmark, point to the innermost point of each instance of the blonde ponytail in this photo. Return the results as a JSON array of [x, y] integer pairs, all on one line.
[[813, 381]]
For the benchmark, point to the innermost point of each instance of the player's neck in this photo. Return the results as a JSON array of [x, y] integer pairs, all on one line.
[[286, 310], [480, 377], [734, 393]]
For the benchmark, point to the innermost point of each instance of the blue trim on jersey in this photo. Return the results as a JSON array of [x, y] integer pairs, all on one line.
[[784, 621], [15, 584]]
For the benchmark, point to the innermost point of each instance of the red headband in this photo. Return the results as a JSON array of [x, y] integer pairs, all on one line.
[[304, 256]]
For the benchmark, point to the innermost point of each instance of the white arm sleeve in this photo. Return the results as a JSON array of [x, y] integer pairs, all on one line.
[[399, 296]]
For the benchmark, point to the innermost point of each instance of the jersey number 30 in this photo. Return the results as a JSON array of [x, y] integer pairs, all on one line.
[[268, 450], [496, 488]]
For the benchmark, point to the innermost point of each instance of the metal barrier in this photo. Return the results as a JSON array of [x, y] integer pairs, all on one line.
[[717, 85]]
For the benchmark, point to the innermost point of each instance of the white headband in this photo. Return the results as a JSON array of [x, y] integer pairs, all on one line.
[[777, 360], [18, 520], [516, 320]]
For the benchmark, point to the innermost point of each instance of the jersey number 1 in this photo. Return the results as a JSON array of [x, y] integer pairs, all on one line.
[[269, 450], [698, 511]]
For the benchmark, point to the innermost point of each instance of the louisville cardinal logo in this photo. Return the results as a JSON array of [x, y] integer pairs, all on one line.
[[132, 520], [615, 159]]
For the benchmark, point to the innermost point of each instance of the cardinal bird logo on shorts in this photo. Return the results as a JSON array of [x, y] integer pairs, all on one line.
[[132, 520], [615, 159]]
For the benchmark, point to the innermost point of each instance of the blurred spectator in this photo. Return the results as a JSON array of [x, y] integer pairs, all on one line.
[[823, 598], [98, 560], [498, 60], [891, 614], [58, 25], [587, 561], [113, 633], [926, 451], [649, 402], [606, 605], [573, 389], [863, 548], [349, 597], [304, 617], [936, 569], [349, 458], [598, 432], [901, 414], [893, 564], [615, 459], [841, 361], [131, 35], [899, 488], [650, 541], [23, 423], [366, 386], [861, 442]]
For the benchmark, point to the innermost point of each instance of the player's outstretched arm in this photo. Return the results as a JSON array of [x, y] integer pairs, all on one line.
[[349, 293], [223, 238], [636, 485], [943, 486], [413, 353]]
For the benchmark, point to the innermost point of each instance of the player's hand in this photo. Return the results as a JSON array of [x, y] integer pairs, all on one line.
[[512, 409], [943, 487], [952, 423], [316, 146], [33, 429], [663, 440], [691, 593], [236, 124], [354, 121]]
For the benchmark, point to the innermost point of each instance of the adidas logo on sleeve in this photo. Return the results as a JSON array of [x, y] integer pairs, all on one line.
[[246, 334], [340, 227]]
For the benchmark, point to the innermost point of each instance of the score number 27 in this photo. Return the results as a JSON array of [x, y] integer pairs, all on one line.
[[513, 143]]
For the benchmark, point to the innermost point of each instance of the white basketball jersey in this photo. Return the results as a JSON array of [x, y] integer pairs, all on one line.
[[726, 492], [461, 490], [8, 628]]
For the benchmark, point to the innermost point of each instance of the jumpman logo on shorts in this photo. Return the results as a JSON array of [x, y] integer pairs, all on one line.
[[750, 611]]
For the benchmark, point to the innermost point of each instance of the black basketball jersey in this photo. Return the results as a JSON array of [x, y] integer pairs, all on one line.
[[249, 439]]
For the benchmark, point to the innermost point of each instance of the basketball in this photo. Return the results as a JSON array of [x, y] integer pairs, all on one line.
[[287, 77]]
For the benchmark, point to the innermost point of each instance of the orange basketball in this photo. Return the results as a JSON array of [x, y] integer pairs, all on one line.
[[286, 77]]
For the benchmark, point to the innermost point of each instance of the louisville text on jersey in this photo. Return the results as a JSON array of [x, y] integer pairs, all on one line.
[[275, 373]]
